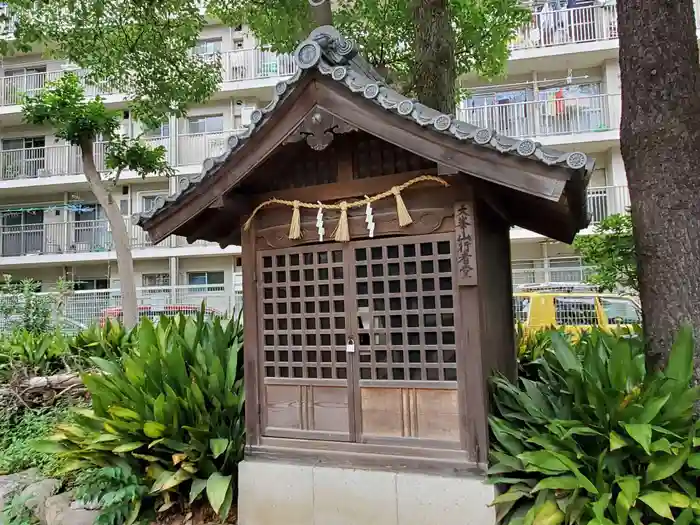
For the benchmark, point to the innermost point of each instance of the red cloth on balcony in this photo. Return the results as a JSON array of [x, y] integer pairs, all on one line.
[[559, 101]]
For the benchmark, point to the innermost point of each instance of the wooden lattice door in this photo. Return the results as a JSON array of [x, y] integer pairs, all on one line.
[[403, 293], [358, 341], [303, 328]]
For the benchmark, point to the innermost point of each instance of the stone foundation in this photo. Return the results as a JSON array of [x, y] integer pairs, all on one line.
[[274, 493]]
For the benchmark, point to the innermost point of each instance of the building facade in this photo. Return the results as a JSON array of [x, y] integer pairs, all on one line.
[[561, 88]]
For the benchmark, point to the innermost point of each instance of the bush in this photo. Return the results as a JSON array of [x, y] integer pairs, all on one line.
[[596, 438], [33, 354], [171, 409], [109, 341]]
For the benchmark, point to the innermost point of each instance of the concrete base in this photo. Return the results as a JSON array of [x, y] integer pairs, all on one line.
[[275, 493]]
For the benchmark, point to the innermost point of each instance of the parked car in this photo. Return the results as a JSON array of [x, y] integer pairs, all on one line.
[[567, 306], [154, 312]]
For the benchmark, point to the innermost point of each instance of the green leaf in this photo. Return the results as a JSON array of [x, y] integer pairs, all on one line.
[[218, 446], [153, 429], [543, 461], [564, 354], [679, 368], [171, 481], [616, 441], [641, 433], [127, 447], [558, 482], [514, 493], [198, 485], [666, 466], [217, 487], [652, 409], [124, 413], [659, 503], [684, 518]]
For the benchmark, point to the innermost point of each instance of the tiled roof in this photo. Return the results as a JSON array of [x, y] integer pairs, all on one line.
[[331, 54]]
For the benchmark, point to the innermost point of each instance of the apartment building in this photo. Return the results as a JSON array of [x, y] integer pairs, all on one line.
[[562, 88]]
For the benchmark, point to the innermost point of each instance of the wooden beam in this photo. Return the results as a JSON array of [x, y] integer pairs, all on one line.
[[523, 175]]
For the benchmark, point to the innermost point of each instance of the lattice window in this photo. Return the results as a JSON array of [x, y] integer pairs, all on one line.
[[303, 313], [405, 309], [575, 311]]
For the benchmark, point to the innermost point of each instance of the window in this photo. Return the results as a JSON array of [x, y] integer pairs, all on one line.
[[205, 124], [621, 311], [23, 157], [208, 47], [149, 201], [521, 309], [162, 131], [205, 278], [91, 284], [155, 279], [575, 311]]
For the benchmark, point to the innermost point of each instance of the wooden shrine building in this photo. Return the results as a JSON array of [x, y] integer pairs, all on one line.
[[377, 282]]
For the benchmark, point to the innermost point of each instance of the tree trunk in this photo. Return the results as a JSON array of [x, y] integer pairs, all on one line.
[[660, 142], [434, 78], [321, 11], [120, 236]]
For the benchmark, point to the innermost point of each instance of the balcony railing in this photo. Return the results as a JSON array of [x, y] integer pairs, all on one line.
[[545, 117], [252, 64], [568, 26], [244, 64], [554, 270], [64, 159], [607, 200]]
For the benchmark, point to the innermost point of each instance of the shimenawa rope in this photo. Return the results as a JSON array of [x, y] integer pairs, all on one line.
[[342, 230]]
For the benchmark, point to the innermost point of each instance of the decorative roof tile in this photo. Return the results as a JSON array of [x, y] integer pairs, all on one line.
[[327, 51]]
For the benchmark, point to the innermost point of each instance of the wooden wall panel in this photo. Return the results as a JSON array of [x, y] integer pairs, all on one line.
[[437, 414], [424, 413], [328, 409], [307, 407], [284, 409], [383, 412]]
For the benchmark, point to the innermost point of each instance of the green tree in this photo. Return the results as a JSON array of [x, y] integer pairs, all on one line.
[[422, 46], [79, 121], [140, 49], [610, 252]]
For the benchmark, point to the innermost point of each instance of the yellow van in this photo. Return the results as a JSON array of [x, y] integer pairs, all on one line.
[[572, 307]]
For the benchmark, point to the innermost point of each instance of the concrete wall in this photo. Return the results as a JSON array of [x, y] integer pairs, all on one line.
[[274, 493]]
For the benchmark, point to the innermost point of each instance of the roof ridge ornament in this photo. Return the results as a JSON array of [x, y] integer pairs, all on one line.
[[325, 40]]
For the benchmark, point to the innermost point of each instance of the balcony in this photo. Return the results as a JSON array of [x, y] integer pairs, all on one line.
[[567, 26], [240, 65], [546, 118], [64, 159], [553, 270], [576, 25]]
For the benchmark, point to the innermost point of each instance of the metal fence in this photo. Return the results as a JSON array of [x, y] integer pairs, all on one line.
[[90, 306]]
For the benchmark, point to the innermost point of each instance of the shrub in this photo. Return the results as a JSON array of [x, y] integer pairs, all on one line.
[[596, 438], [23, 352], [111, 341], [171, 409], [117, 492]]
